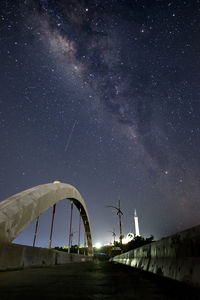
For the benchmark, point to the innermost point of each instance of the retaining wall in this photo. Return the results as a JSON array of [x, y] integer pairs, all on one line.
[[176, 257], [13, 256]]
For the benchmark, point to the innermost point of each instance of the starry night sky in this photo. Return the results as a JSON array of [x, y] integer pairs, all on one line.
[[103, 95]]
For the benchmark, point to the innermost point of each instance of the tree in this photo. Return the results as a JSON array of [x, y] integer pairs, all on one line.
[[136, 242]]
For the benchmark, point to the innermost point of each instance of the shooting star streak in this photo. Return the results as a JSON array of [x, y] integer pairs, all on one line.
[[70, 136]]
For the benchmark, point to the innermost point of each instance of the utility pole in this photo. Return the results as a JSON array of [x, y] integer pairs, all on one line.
[[114, 235], [120, 214]]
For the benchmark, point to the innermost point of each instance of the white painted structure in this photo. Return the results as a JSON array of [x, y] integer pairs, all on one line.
[[137, 231]]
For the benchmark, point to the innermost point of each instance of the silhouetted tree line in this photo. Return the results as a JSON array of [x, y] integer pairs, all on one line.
[[112, 250], [73, 249], [136, 242]]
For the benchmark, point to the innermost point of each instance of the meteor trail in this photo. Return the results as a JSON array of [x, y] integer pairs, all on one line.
[[70, 136]]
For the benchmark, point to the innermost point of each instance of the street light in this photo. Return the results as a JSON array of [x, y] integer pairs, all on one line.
[[120, 214]]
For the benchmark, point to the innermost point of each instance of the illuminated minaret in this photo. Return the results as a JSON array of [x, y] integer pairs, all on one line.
[[137, 232]]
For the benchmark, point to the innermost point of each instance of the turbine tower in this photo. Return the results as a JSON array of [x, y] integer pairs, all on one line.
[[137, 232]]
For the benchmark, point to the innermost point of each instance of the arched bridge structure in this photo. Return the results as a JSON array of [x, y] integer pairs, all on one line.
[[19, 210]]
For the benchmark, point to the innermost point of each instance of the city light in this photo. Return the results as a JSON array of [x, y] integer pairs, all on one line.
[[128, 238], [98, 245]]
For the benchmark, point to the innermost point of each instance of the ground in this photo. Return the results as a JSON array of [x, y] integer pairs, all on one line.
[[91, 280]]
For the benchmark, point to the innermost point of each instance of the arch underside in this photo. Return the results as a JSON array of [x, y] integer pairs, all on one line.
[[19, 210]]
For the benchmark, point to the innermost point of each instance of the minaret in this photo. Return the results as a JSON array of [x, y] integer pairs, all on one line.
[[137, 232]]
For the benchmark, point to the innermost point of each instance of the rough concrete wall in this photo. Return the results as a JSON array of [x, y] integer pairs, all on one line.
[[176, 257], [14, 257], [18, 211]]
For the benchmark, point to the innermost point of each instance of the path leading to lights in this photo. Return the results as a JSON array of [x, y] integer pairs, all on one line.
[[91, 280]]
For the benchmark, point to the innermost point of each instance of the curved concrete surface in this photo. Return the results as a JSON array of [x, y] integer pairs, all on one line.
[[19, 210]]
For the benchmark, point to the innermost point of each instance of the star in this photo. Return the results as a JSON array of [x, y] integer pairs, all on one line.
[[96, 93]]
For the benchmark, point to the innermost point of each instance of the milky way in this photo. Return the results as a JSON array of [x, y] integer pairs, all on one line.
[[126, 73]]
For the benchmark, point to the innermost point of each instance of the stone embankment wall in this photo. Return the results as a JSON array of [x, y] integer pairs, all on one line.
[[13, 256], [176, 257]]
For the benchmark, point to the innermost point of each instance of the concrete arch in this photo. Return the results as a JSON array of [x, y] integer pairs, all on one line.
[[19, 210]]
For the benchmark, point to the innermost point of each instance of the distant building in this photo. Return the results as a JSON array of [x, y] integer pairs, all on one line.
[[137, 231]]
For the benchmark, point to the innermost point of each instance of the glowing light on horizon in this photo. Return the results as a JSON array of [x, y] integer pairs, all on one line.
[[98, 245], [128, 238]]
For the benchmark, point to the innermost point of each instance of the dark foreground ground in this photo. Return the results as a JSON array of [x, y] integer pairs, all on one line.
[[92, 280]]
